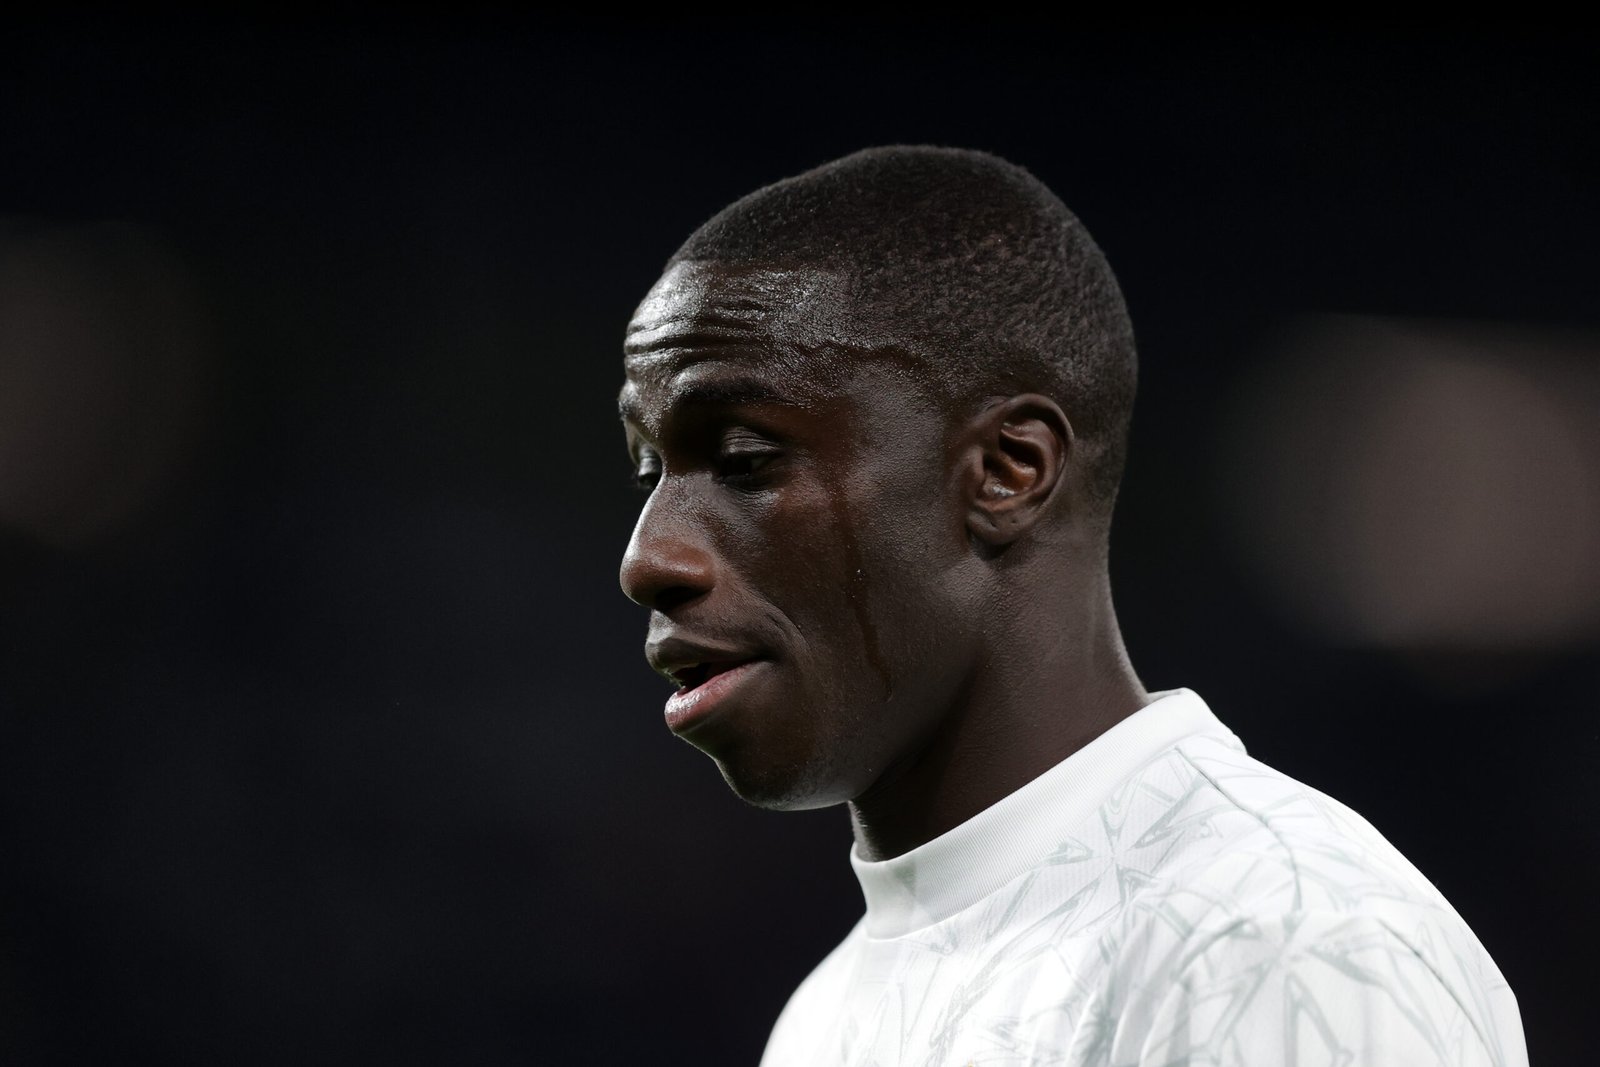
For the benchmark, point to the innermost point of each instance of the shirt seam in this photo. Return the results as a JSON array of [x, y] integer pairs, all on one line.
[[1294, 865], [1242, 918], [1266, 824], [1491, 1050]]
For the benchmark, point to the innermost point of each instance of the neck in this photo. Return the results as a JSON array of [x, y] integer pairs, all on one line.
[[1044, 688]]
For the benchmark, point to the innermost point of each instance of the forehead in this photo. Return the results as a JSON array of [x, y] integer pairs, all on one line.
[[709, 303], [713, 333], [782, 334]]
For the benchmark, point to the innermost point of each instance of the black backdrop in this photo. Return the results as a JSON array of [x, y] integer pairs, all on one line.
[[331, 741]]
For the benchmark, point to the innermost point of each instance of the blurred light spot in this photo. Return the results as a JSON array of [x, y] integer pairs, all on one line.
[[1424, 486], [99, 351]]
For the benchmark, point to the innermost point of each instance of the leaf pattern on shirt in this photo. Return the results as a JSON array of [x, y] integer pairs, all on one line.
[[1213, 911]]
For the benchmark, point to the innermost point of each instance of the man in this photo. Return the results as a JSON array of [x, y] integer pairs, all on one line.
[[881, 411]]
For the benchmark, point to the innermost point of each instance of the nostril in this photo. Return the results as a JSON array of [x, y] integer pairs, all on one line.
[[665, 582], [674, 596], [665, 573], [669, 559]]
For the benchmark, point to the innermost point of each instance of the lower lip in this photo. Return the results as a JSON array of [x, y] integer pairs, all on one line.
[[689, 706]]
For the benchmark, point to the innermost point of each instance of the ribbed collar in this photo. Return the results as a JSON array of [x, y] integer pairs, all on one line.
[[959, 868]]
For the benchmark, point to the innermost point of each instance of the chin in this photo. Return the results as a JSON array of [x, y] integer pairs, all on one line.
[[787, 788]]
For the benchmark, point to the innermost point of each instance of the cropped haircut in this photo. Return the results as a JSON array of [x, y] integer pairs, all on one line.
[[996, 287]]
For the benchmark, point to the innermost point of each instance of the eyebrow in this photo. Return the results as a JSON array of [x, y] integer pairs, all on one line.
[[727, 394]]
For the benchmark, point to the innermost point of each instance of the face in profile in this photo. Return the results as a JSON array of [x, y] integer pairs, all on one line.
[[799, 549]]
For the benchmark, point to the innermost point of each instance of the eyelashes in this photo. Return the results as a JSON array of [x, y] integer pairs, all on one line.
[[644, 479], [738, 457], [743, 470]]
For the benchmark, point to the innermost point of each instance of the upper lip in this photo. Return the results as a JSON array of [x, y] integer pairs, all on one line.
[[681, 659]]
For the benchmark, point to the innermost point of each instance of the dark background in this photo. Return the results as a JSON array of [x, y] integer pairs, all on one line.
[[325, 735]]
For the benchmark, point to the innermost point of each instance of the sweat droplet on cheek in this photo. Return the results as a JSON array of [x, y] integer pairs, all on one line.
[[855, 585]]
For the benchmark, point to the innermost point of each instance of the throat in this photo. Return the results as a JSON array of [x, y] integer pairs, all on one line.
[[965, 769]]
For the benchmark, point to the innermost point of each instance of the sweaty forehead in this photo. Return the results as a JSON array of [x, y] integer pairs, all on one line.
[[771, 318], [711, 332]]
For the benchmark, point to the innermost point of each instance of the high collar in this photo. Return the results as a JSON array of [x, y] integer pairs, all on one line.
[[962, 866]]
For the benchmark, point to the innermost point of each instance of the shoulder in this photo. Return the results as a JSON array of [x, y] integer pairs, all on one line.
[[1272, 840], [1313, 986], [1279, 923]]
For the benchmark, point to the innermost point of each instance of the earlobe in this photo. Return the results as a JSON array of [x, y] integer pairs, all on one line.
[[1021, 446]]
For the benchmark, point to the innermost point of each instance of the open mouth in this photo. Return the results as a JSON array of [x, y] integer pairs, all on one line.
[[705, 687], [698, 674]]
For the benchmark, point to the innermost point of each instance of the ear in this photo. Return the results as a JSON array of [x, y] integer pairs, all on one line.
[[1017, 453]]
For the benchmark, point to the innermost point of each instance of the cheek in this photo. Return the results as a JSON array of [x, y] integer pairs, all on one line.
[[889, 574], [800, 556], [852, 562]]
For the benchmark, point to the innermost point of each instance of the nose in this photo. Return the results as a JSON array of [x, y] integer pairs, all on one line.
[[668, 562]]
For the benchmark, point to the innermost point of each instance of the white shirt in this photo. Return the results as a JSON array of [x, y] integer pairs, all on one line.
[[1158, 897]]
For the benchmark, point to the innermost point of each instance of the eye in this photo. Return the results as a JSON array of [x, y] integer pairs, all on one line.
[[646, 472], [736, 464], [744, 458], [744, 465]]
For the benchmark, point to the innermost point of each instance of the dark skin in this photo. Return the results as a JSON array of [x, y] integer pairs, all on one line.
[[906, 599]]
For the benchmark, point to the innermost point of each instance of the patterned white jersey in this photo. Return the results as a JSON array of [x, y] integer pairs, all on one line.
[[1158, 897]]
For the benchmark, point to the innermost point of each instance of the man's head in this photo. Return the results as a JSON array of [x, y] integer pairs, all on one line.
[[882, 409]]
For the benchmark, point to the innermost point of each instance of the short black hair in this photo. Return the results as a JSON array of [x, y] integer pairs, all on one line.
[[999, 287]]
